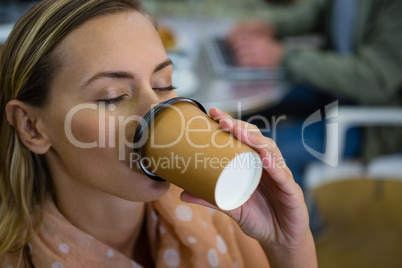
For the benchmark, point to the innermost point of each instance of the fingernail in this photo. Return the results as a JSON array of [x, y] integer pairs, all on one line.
[[217, 109], [266, 159], [225, 124]]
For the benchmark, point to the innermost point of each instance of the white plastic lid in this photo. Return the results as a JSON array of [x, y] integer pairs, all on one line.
[[238, 181]]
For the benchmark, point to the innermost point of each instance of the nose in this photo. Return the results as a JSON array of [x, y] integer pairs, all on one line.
[[169, 95], [151, 96]]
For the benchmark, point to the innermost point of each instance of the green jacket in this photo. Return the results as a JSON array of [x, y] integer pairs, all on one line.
[[371, 76]]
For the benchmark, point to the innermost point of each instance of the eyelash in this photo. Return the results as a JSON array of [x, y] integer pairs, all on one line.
[[169, 88], [121, 98], [113, 101]]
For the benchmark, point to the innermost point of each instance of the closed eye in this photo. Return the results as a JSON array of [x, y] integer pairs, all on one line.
[[112, 101], [169, 88]]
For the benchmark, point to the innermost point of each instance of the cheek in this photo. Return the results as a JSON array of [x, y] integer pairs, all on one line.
[[103, 134], [90, 128], [79, 138], [83, 129], [82, 137], [77, 125], [93, 127], [107, 166], [88, 146], [128, 132]]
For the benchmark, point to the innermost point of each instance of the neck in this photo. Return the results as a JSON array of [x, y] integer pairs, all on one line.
[[109, 219], [114, 221]]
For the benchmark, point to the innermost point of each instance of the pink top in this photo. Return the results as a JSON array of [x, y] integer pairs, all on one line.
[[184, 235]]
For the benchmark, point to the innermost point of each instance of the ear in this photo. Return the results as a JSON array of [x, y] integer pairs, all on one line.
[[24, 119]]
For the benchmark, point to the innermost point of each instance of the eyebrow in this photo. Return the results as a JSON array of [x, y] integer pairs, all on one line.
[[124, 75], [162, 65]]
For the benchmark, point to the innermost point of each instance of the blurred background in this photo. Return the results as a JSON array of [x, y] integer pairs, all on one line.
[[355, 202]]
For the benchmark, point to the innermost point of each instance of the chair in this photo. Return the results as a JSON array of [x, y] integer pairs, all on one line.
[[348, 117]]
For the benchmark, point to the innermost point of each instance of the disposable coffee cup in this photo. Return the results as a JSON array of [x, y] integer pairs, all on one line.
[[178, 142]]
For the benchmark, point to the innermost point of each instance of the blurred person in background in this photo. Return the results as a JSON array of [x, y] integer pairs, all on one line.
[[360, 63]]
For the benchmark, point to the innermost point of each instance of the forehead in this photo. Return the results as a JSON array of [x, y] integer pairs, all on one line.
[[110, 40]]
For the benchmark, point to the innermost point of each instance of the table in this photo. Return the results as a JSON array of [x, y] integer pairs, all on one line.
[[237, 97]]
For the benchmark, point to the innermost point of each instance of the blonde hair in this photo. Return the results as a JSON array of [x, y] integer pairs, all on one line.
[[27, 67]]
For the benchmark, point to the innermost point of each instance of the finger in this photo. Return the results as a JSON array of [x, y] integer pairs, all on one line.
[[244, 52], [247, 133], [243, 57], [270, 154], [252, 26], [242, 42], [217, 114], [250, 60], [273, 161], [237, 33], [275, 165], [224, 119], [233, 36], [256, 54], [242, 130]]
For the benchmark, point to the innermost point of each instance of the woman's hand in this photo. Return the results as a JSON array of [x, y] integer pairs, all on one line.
[[276, 214]]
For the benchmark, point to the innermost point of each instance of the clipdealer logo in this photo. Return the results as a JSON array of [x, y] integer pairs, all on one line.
[[112, 130], [330, 156], [102, 131]]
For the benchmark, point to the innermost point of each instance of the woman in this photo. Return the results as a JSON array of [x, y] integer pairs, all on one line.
[[64, 205]]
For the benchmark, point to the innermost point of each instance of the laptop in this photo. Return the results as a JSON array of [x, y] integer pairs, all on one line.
[[222, 63]]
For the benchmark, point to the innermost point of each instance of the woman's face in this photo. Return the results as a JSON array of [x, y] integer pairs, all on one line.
[[113, 69]]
